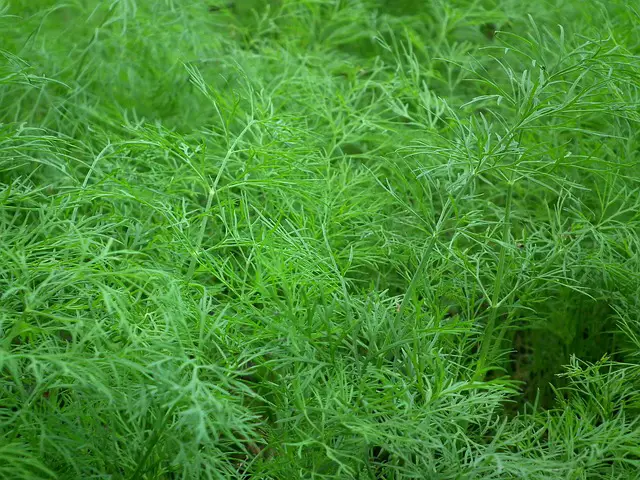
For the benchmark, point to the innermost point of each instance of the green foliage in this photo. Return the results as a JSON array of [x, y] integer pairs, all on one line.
[[319, 239]]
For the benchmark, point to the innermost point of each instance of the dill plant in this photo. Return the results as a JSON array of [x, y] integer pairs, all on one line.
[[300, 239]]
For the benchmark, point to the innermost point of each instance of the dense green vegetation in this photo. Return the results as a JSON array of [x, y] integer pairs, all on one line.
[[352, 239]]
